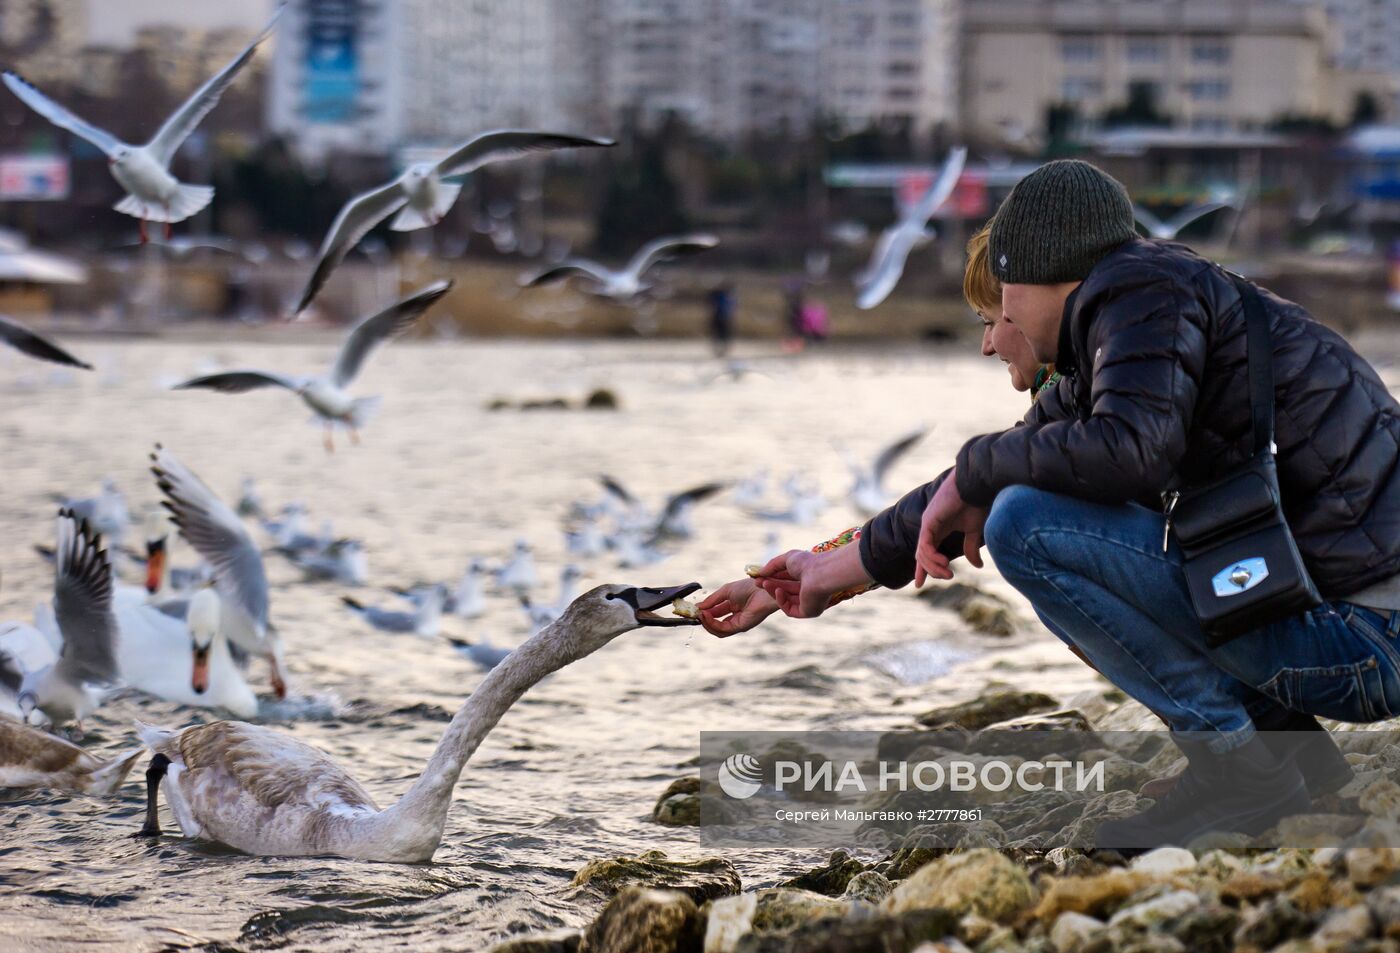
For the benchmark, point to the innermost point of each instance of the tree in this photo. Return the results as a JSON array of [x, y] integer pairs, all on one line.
[[1365, 109], [1141, 109]]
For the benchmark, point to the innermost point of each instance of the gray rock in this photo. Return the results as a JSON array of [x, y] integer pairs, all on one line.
[[1271, 923], [868, 885], [830, 879], [701, 879], [988, 709], [1342, 928], [1384, 903], [559, 941], [1073, 932], [895, 933], [678, 810], [641, 920], [980, 881]]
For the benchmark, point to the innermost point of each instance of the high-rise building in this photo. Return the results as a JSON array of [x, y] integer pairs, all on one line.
[[734, 67], [372, 76]]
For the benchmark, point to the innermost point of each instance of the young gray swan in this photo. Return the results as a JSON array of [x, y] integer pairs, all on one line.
[[265, 793]]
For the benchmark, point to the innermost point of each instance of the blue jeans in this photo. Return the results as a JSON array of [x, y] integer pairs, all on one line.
[[1098, 578]]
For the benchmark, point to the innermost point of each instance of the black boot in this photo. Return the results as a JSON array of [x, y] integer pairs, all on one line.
[[1296, 736], [1246, 790]]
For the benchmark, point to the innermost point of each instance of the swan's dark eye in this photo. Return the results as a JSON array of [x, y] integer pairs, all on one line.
[[611, 595]]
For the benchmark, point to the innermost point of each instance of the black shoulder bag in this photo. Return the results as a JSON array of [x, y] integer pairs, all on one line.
[[1242, 566]]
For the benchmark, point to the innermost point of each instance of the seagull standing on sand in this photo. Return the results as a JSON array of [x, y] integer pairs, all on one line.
[[626, 284], [25, 341], [326, 395], [154, 194], [896, 242], [422, 198]]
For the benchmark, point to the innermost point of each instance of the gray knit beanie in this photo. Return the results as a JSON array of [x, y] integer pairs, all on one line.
[[1057, 223]]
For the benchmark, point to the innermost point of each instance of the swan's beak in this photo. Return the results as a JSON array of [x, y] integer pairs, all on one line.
[[155, 565], [199, 678], [645, 602]]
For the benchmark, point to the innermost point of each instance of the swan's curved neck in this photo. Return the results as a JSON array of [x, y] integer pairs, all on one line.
[[426, 803]]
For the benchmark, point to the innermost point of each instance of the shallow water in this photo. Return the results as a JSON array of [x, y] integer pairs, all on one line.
[[572, 772]]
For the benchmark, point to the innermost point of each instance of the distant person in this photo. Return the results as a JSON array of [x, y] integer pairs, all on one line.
[[722, 305], [793, 302], [816, 325]]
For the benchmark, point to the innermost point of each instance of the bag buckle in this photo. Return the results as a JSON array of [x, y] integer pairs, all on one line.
[[1168, 504]]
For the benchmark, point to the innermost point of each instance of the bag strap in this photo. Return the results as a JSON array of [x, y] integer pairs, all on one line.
[[1261, 365]]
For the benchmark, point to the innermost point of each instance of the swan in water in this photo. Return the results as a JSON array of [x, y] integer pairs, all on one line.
[[30, 758], [215, 532], [144, 171], [69, 688], [268, 794], [326, 395], [187, 661]]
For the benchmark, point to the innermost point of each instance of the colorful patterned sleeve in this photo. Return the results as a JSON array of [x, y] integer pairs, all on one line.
[[844, 538]]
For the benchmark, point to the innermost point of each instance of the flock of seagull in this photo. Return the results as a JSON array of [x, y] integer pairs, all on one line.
[[189, 634]]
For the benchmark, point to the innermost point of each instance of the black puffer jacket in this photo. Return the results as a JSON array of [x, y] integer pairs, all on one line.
[[1155, 396]]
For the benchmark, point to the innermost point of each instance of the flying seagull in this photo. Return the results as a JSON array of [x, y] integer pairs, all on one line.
[[26, 341], [422, 198], [326, 394], [626, 284], [1174, 226], [153, 194], [896, 242], [867, 492]]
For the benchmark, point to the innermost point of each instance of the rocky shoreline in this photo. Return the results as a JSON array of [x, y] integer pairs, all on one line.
[[1338, 890]]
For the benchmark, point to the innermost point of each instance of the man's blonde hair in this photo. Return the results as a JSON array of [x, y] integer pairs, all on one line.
[[980, 286]]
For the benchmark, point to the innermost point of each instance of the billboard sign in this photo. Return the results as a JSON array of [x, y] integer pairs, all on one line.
[[34, 178], [332, 66]]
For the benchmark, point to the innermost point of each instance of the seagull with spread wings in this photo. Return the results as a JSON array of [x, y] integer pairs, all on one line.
[[422, 198], [326, 394], [69, 689], [25, 341], [154, 194], [213, 530], [625, 284], [1174, 226], [896, 242]]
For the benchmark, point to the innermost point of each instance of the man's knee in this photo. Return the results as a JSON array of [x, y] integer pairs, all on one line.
[[1011, 520]]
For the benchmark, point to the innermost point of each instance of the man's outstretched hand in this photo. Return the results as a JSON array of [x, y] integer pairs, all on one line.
[[947, 513], [735, 607]]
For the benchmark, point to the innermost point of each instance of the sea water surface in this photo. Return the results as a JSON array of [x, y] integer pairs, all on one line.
[[573, 770]]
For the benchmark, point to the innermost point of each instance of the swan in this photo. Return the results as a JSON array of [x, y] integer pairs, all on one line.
[[422, 198], [186, 661], [69, 688], [265, 793], [626, 284], [30, 758], [144, 171], [215, 532], [326, 394]]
